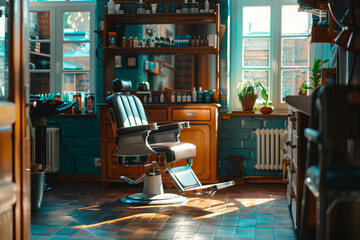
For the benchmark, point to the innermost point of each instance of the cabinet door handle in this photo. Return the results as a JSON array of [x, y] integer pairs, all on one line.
[[292, 119], [292, 146], [190, 114]]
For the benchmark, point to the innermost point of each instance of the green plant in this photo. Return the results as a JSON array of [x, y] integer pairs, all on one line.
[[265, 95], [303, 88], [247, 90], [316, 72]]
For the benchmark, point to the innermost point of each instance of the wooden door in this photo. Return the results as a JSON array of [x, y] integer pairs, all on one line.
[[14, 129], [199, 136]]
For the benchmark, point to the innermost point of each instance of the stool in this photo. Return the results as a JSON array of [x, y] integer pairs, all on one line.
[[238, 162]]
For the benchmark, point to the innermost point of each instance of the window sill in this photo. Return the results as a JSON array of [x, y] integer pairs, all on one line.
[[86, 115], [275, 113]]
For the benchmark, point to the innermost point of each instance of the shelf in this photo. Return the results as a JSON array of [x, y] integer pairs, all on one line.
[[162, 18], [163, 51], [154, 73]]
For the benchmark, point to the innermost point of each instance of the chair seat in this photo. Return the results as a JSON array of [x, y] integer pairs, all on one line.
[[175, 150], [341, 178]]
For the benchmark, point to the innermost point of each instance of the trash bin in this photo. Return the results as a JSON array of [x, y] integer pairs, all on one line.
[[37, 189]]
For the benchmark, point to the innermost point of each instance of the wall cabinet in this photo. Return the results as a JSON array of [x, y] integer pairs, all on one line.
[[203, 117]]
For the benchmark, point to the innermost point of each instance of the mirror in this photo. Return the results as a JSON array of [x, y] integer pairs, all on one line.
[[179, 72]]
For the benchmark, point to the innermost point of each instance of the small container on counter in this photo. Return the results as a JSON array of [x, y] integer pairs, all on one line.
[[112, 39]]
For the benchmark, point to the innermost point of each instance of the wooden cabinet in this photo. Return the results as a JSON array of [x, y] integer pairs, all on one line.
[[202, 133], [296, 147]]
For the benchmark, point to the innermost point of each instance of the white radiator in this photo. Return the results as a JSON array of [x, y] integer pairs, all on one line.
[[269, 152], [52, 148]]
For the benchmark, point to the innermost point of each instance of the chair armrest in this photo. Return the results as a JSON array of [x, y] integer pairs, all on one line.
[[167, 132], [312, 135], [136, 129], [172, 126]]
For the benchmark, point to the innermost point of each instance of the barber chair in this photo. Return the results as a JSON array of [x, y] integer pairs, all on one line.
[[140, 143], [333, 164]]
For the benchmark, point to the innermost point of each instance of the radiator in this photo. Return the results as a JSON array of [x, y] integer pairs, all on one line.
[[269, 154], [52, 148]]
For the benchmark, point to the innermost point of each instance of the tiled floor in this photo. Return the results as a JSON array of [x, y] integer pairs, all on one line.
[[90, 211]]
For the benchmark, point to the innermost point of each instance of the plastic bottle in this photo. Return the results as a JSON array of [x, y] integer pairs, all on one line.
[[121, 9], [162, 98], [136, 42], [178, 97], [156, 97], [183, 99], [145, 99], [150, 99], [206, 6], [173, 97], [178, 8], [194, 95], [185, 7], [111, 7], [188, 97], [140, 7], [200, 95], [194, 7]]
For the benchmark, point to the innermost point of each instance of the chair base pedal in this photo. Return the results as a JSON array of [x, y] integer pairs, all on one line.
[[160, 199]]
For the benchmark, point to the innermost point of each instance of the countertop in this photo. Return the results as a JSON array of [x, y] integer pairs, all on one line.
[[301, 103]]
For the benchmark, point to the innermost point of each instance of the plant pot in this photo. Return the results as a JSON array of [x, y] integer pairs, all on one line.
[[266, 110], [248, 102]]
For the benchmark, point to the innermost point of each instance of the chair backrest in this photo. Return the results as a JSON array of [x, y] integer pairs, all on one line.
[[338, 111], [125, 110]]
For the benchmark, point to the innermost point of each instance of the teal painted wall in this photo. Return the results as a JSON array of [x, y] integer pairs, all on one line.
[[82, 135]]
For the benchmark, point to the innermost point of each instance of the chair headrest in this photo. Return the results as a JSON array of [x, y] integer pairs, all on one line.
[[120, 85]]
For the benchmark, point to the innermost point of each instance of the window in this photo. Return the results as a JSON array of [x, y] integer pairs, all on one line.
[[62, 43], [269, 44]]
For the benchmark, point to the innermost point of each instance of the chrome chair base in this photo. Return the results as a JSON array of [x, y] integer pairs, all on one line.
[[160, 199]]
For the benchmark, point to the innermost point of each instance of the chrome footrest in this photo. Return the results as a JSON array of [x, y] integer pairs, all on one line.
[[209, 190]]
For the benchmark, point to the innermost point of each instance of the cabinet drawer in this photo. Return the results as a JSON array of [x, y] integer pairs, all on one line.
[[157, 114], [191, 114]]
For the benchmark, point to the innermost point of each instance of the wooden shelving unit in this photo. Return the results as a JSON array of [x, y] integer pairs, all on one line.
[[203, 118]]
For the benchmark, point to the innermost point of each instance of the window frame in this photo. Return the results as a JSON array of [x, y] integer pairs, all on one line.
[[235, 49], [56, 40]]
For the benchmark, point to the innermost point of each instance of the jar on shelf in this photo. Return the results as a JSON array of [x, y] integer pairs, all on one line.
[[77, 106], [90, 103]]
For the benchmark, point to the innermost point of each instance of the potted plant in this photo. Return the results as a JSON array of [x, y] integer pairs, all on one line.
[[266, 107], [247, 95], [316, 72], [303, 88]]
